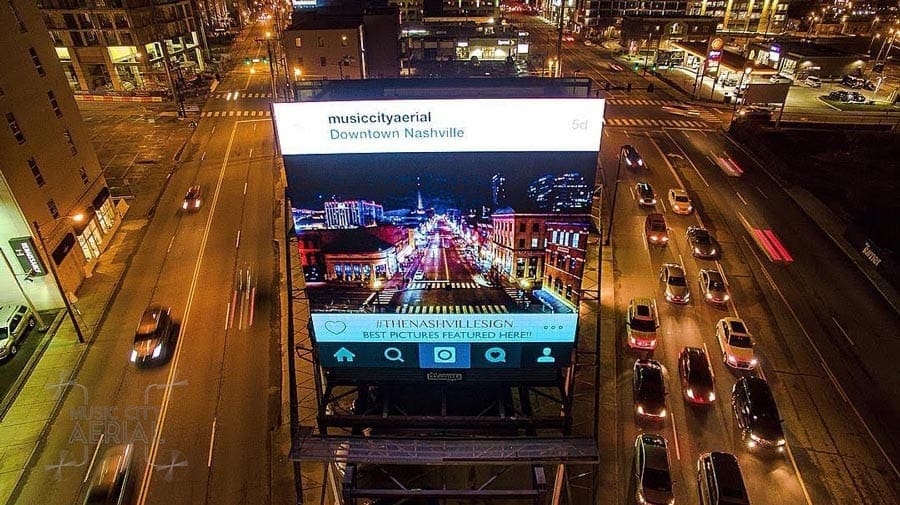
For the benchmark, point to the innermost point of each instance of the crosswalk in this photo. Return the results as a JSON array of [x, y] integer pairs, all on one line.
[[235, 95], [452, 309], [237, 113], [443, 284], [670, 123], [639, 101]]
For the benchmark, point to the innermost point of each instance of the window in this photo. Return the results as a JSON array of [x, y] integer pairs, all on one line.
[[534, 242], [521, 227], [575, 239], [36, 172], [345, 40], [554, 237], [16, 15], [84, 176], [322, 61], [51, 206], [54, 104], [37, 62], [521, 243], [573, 265], [321, 41], [14, 127], [298, 42], [71, 142]]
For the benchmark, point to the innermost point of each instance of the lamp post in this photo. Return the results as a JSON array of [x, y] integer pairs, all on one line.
[[273, 72], [612, 209], [55, 274], [746, 73], [872, 42], [649, 45]]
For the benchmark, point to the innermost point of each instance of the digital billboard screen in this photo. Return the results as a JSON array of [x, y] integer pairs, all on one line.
[[442, 234]]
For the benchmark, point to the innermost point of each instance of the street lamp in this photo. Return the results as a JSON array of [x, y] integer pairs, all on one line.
[[876, 36], [649, 44], [746, 73], [55, 274], [612, 209]]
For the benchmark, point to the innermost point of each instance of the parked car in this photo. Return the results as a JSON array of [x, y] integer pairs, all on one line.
[[813, 82], [649, 390], [853, 82], [713, 287], [652, 472], [631, 157], [703, 243], [680, 201], [645, 194], [756, 414], [855, 97], [15, 321], [154, 340], [641, 324], [697, 379], [736, 343], [676, 286], [838, 96], [719, 480], [780, 79], [656, 229], [112, 479]]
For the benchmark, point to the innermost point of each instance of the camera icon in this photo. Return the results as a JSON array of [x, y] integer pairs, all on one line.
[[445, 355]]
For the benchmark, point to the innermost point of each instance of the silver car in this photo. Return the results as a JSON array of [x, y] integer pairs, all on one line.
[[676, 286], [713, 287], [702, 242]]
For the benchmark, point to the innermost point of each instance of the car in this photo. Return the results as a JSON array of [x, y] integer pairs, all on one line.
[[641, 324], [780, 79], [588, 43], [15, 321], [656, 229], [631, 157], [755, 113], [419, 276], [854, 82], [112, 479], [652, 475], [719, 480], [192, 199], [813, 81], [154, 339], [757, 414], [736, 343], [838, 96], [676, 286], [645, 194], [680, 201], [855, 97], [713, 287], [703, 243], [649, 390], [697, 379], [568, 38], [681, 110], [614, 67], [729, 81]]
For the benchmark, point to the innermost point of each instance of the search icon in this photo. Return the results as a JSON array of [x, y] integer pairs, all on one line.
[[393, 354]]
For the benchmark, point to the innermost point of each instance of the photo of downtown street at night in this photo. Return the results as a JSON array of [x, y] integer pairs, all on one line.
[[444, 233]]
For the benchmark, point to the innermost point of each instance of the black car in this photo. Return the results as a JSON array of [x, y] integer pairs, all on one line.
[[649, 390], [645, 194], [855, 97], [838, 96], [756, 414], [854, 82], [631, 157], [703, 243], [697, 382], [154, 339], [652, 473]]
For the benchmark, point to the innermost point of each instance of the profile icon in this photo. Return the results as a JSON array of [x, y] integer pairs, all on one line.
[[546, 358]]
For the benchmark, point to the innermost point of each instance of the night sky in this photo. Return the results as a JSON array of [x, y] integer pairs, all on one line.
[[449, 180]]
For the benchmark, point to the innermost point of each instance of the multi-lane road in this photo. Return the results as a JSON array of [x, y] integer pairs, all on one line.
[[200, 424]]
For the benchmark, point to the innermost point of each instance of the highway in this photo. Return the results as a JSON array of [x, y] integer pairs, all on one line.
[[201, 422]]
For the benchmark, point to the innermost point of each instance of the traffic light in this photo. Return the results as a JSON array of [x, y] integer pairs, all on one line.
[[636, 66], [246, 61]]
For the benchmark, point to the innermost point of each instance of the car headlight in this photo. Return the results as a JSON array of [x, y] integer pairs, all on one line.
[[753, 361], [662, 413], [641, 162], [754, 437], [690, 393], [133, 356], [709, 296], [197, 204], [184, 205], [732, 359], [697, 250], [157, 351], [779, 442], [665, 239], [726, 297], [640, 410], [654, 238], [712, 396], [712, 251]]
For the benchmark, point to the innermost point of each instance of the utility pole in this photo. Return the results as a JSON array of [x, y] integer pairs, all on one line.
[[562, 7], [612, 209], [273, 72], [55, 274]]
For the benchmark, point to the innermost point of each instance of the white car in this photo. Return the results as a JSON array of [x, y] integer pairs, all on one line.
[[736, 343], [813, 82], [680, 201]]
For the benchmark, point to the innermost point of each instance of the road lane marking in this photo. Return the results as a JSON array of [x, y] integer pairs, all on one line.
[[170, 244], [251, 152], [167, 394], [741, 198], [93, 459], [825, 366], [212, 441], [797, 471], [843, 332], [237, 241], [203, 156], [761, 192], [675, 437], [245, 188], [700, 175]]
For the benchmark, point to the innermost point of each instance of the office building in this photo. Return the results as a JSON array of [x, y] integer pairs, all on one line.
[[744, 16], [352, 214]]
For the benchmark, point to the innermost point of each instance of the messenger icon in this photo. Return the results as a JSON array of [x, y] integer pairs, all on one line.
[[495, 355]]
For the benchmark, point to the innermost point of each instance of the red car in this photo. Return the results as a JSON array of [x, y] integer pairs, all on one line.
[[656, 230]]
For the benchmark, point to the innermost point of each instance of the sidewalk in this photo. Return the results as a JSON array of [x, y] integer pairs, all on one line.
[[22, 428]]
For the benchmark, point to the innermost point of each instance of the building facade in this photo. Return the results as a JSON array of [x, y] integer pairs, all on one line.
[[744, 16], [55, 202], [564, 259], [517, 245], [352, 214], [119, 45]]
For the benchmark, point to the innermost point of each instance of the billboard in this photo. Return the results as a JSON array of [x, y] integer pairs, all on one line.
[[442, 234]]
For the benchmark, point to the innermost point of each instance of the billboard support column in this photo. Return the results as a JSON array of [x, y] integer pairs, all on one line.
[[612, 207]]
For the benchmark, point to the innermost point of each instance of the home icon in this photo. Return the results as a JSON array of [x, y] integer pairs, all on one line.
[[344, 356]]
